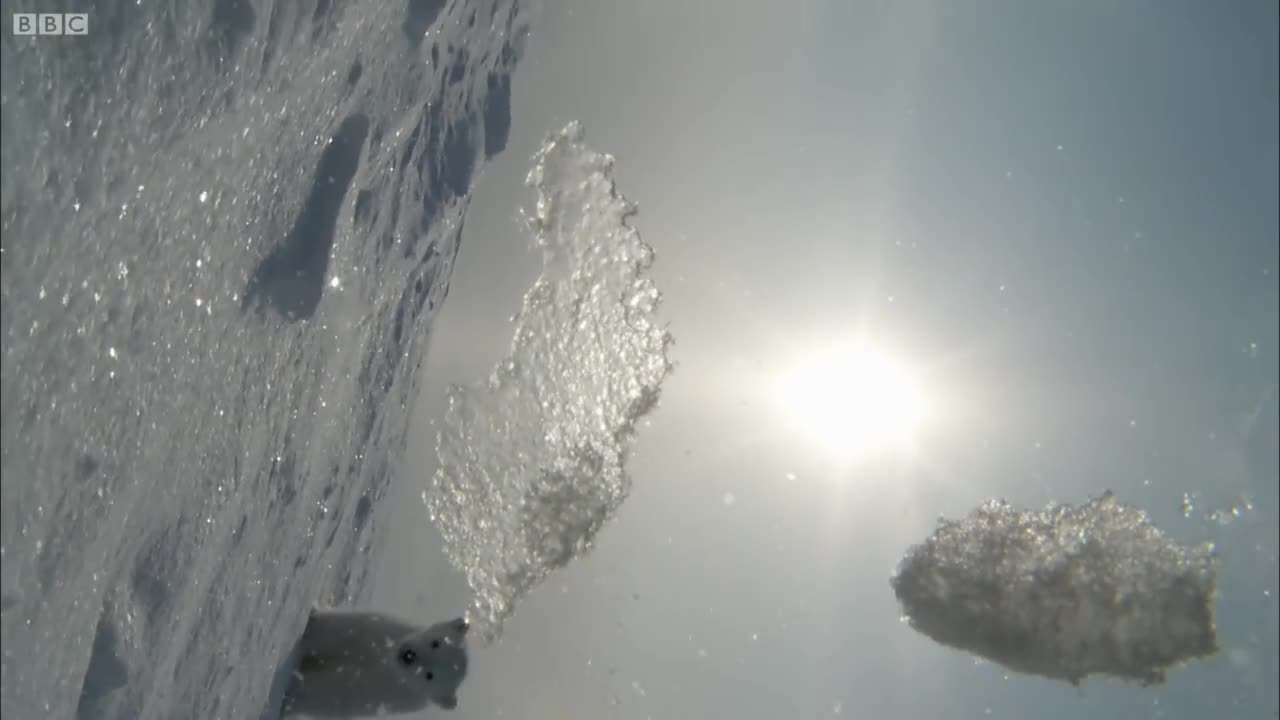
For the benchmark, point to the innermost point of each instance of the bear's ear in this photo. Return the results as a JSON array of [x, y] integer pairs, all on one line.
[[448, 703]]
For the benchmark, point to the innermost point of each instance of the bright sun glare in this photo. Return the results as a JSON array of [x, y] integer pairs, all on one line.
[[853, 401]]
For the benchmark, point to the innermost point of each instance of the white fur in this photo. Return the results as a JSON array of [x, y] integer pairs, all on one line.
[[359, 663]]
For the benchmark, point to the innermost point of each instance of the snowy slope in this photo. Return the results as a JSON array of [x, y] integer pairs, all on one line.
[[220, 265]]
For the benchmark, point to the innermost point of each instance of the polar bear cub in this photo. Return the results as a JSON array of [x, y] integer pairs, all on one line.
[[352, 664]]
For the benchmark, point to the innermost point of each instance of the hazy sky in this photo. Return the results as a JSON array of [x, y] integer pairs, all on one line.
[[1062, 217]]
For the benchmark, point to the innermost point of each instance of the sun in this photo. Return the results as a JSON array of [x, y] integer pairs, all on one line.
[[853, 401]]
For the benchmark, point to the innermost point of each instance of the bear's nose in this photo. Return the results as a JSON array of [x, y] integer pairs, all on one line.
[[462, 624]]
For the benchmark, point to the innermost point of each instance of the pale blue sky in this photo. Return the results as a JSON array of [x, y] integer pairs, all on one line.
[[1063, 214]]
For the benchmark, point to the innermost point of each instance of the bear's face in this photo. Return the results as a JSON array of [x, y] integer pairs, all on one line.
[[437, 658]]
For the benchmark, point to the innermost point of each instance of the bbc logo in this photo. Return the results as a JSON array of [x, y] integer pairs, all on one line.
[[51, 24]]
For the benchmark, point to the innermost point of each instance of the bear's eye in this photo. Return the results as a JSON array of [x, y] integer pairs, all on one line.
[[431, 676], [407, 656], [435, 644]]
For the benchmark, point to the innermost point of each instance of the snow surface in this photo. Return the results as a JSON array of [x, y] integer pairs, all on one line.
[[220, 267]]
